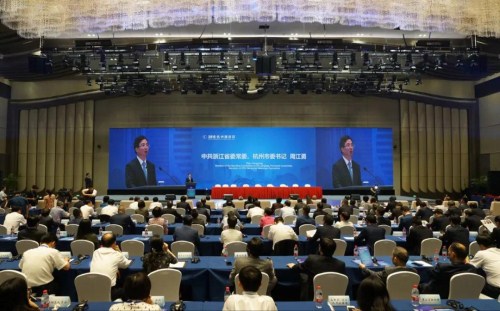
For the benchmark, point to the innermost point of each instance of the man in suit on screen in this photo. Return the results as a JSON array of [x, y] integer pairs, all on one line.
[[140, 171], [346, 172]]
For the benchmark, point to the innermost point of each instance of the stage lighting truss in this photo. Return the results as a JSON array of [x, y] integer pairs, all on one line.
[[238, 71]]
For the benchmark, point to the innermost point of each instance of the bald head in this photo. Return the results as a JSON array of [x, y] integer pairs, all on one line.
[[108, 240]]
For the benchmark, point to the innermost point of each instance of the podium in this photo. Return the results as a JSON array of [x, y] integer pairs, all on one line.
[[191, 190]]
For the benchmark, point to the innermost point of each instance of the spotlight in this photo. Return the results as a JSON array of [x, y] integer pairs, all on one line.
[[221, 58], [335, 61], [394, 58], [240, 58], [184, 91], [298, 59], [166, 59], [254, 55], [183, 59]]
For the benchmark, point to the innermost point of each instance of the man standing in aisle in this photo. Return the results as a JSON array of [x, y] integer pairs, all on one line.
[[346, 172]]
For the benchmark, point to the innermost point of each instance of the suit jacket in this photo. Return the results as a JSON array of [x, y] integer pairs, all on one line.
[[185, 205], [326, 232], [313, 265], [440, 278], [178, 217], [346, 208], [381, 220], [472, 222], [495, 235], [186, 233], [415, 238], [424, 213], [134, 175], [30, 234], [456, 234], [439, 224], [302, 220], [341, 176], [204, 211], [405, 222], [125, 221], [264, 265], [383, 274], [369, 235]]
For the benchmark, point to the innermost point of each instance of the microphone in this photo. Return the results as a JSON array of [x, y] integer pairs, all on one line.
[[377, 179], [176, 182]]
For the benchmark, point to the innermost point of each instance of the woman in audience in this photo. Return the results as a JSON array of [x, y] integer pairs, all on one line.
[[14, 296], [137, 288], [49, 199], [159, 258], [142, 210], [373, 295], [158, 220], [268, 218], [85, 233]]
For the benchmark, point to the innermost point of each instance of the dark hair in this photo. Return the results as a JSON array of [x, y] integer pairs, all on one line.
[[45, 212], [459, 249], [278, 219], [146, 198], [155, 199], [328, 246], [194, 213], [319, 205], [497, 218], [417, 221], [278, 200], [105, 198], [366, 198], [138, 140], [157, 211], [84, 228], [455, 219], [77, 212], [188, 220], [352, 202], [306, 209], [345, 215], [371, 219], [250, 278], [141, 204], [485, 240], [255, 247], [328, 220], [380, 210], [137, 286], [108, 240], [268, 211], [13, 295], [438, 211], [156, 243], [49, 238], [400, 253], [183, 198], [373, 295], [111, 202], [343, 140], [439, 202], [231, 222], [32, 221]]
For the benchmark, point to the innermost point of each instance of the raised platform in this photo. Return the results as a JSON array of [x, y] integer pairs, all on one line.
[[266, 192], [169, 189], [361, 190]]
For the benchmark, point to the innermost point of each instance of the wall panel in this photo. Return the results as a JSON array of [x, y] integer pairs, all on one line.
[[32, 147], [41, 151]]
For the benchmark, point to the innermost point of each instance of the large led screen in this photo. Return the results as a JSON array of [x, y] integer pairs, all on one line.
[[333, 158]]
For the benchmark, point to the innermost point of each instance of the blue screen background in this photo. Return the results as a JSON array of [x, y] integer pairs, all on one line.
[[273, 155]]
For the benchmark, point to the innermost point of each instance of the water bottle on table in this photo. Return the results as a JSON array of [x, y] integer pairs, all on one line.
[[415, 296], [44, 302], [318, 297]]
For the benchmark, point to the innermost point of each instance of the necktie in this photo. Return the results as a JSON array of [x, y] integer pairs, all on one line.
[[145, 170], [349, 165]]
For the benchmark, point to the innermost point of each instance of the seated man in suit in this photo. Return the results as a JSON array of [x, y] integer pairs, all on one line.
[[186, 233], [439, 221], [416, 235], [184, 204], [399, 259], [255, 247], [31, 231], [304, 218], [123, 220], [456, 233], [441, 274], [406, 219], [327, 230], [370, 234], [316, 264], [381, 220], [471, 221], [424, 212], [170, 210]]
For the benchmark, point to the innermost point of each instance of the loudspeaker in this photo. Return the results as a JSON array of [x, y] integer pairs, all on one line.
[[170, 197], [228, 196], [265, 65], [356, 196], [294, 196]]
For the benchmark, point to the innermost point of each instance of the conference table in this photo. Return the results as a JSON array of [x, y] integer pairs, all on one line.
[[266, 192], [207, 279]]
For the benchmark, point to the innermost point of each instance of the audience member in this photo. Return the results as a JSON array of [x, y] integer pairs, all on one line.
[[277, 205], [455, 233], [19, 201], [196, 219], [203, 208], [89, 194], [57, 213], [76, 218], [255, 247], [49, 199], [327, 230], [471, 221], [184, 204], [381, 220], [160, 256], [315, 264], [373, 295], [155, 203], [319, 210], [488, 259], [279, 232], [299, 205], [399, 260], [416, 235], [344, 220], [142, 210], [268, 218], [439, 222], [370, 234], [406, 219], [231, 234], [158, 220], [441, 274], [107, 260], [110, 209], [14, 220], [424, 212], [255, 210], [304, 218], [476, 210], [169, 209], [135, 204], [186, 233], [39, 263], [495, 234], [286, 210], [31, 231], [14, 295], [250, 279], [46, 220], [87, 209], [136, 294], [85, 233], [123, 220]]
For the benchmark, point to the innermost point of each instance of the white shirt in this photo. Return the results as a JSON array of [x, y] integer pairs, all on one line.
[[230, 235], [134, 205], [39, 263], [109, 210], [93, 194], [155, 204], [286, 211], [280, 231], [126, 306], [255, 211], [87, 211], [3, 195], [107, 261], [343, 224], [14, 220], [489, 261], [249, 301]]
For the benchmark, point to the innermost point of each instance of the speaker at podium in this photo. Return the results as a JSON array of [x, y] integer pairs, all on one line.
[[191, 190]]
